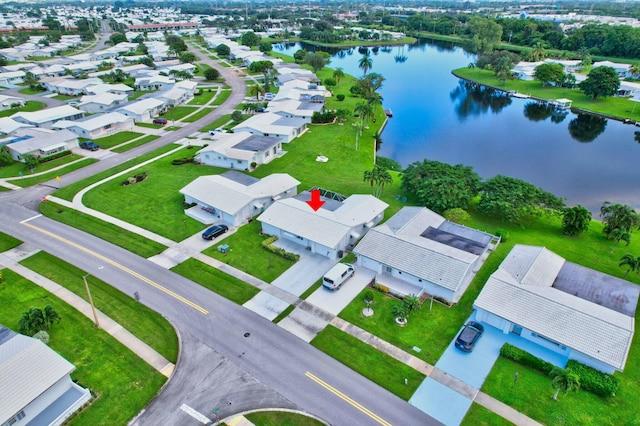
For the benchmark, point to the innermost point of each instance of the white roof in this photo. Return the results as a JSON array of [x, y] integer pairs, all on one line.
[[28, 368], [524, 280], [12, 74], [106, 98], [48, 114], [323, 226], [171, 94], [4, 99], [266, 123], [226, 143], [8, 125], [94, 121], [104, 88], [231, 196], [142, 105], [614, 65], [41, 139]]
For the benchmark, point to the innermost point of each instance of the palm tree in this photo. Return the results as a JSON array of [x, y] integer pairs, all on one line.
[[538, 53], [256, 90], [378, 177], [338, 74], [374, 101], [635, 70], [631, 262], [365, 63], [564, 380], [363, 109], [575, 220], [617, 235]]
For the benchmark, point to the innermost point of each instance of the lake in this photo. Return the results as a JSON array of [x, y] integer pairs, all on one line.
[[583, 158]]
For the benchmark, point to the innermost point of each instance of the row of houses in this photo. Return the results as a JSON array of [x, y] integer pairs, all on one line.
[[34, 47]]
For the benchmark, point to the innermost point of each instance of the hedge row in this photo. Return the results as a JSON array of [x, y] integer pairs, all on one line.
[[591, 380], [594, 381], [54, 156], [268, 245]]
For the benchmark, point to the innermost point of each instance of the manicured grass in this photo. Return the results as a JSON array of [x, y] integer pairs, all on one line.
[[371, 363], [146, 324], [311, 289], [171, 128], [150, 125], [224, 94], [28, 181], [281, 418], [134, 144], [14, 169], [248, 255], [198, 115], [122, 382], [65, 97], [176, 113], [204, 97], [218, 123], [137, 93], [116, 139], [30, 106], [217, 281], [69, 191], [613, 106], [30, 91], [480, 416], [7, 242], [107, 231]]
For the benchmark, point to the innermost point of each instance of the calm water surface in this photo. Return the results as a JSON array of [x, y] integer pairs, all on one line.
[[583, 158]]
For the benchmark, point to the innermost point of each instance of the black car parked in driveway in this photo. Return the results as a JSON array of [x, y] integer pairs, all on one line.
[[214, 231], [91, 146], [469, 336]]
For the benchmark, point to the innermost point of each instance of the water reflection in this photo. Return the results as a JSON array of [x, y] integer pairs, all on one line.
[[587, 127], [540, 111], [475, 99]]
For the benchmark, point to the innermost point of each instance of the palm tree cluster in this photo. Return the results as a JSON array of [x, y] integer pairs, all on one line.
[[36, 319], [378, 177], [631, 262], [619, 221], [564, 380]]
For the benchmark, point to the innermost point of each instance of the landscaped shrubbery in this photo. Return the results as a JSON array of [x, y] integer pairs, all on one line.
[[268, 245], [323, 117], [525, 358], [340, 97], [140, 177], [54, 156], [594, 381], [183, 160]]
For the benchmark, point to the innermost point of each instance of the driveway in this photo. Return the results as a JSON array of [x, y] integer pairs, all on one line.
[[335, 301]]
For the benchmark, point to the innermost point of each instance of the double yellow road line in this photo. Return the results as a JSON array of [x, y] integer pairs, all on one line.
[[119, 266], [344, 397]]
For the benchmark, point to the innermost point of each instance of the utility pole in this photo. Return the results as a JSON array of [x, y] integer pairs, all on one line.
[[93, 308]]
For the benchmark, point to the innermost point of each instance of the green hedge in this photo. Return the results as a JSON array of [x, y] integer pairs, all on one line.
[[525, 358], [268, 245], [594, 381]]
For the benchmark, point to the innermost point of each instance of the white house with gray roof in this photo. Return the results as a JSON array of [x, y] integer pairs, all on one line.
[[329, 231], [98, 125], [569, 309], [144, 109], [46, 117], [102, 102], [36, 387], [41, 143], [235, 198], [240, 150], [418, 251], [273, 125]]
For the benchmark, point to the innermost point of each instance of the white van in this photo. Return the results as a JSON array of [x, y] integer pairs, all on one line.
[[337, 275]]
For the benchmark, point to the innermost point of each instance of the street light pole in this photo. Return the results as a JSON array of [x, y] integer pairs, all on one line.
[[95, 313]]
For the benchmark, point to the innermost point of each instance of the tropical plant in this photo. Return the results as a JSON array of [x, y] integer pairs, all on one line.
[[36, 319], [364, 110], [378, 177], [564, 380], [30, 161], [400, 312], [338, 74], [538, 53], [317, 60], [549, 73], [575, 220], [412, 303], [618, 216], [365, 64], [30, 79], [256, 90], [631, 262], [618, 235], [211, 74]]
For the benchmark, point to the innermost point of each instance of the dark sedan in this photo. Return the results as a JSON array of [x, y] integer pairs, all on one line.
[[91, 146], [469, 336], [214, 231]]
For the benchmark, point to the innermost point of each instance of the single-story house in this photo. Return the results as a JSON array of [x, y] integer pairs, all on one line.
[[273, 125], [190, 68], [48, 116], [174, 96], [240, 150], [418, 251], [156, 82], [295, 109], [36, 386], [11, 78], [118, 89], [143, 109], [101, 103], [40, 142], [621, 69], [70, 86], [8, 102], [188, 85], [97, 126], [628, 89], [525, 70], [329, 231], [80, 67], [8, 125], [566, 308], [234, 197]]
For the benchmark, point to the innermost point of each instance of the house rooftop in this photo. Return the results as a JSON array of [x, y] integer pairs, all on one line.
[[49, 114], [93, 122]]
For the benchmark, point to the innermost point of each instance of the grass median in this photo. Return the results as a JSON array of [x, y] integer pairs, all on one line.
[[147, 325], [122, 382], [7, 242], [14, 169]]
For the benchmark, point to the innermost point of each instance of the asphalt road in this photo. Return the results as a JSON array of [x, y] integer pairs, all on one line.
[[231, 358]]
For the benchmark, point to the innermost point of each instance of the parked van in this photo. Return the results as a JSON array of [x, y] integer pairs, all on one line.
[[337, 275]]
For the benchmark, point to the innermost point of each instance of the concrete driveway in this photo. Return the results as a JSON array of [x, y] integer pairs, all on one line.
[[335, 301]]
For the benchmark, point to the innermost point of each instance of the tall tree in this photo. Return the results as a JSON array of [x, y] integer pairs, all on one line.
[[575, 220], [631, 262], [549, 73], [338, 74], [365, 64], [619, 216], [483, 34], [378, 177], [249, 39], [601, 81], [564, 380], [317, 61], [256, 90]]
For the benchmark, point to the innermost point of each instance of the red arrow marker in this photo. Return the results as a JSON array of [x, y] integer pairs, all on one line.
[[315, 202]]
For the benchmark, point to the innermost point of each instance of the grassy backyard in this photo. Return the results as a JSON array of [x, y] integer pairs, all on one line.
[[122, 382], [144, 323], [30, 106]]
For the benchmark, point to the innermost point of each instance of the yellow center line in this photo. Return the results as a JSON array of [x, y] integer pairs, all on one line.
[[341, 395], [121, 267]]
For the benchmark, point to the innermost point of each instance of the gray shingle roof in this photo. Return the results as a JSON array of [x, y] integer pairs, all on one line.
[[579, 324]]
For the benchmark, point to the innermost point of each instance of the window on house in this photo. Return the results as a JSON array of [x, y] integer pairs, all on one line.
[[389, 269]]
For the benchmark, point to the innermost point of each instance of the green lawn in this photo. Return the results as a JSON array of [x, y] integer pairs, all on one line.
[[204, 97], [144, 323], [176, 113], [34, 180], [218, 123], [198, 115], [7, 242], [123, 383], [224, 94], [388, 372], [65, 97], [14, 169], [30, 106], [30, 91], [134, 144], [281, 418], [150, 125], [248, 255], [137, 93], [116, 139], [107, 231], [480, 416], [217, 281]]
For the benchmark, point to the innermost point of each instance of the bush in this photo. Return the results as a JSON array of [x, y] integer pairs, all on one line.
[[456, 215], [503, 234], [525, 358], [388, 163], [236, 116], [183, 160], [211, 74], [54, 156], [268, 245], [594, 381], [323, 117], [340, 97], [382, 288]]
